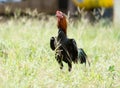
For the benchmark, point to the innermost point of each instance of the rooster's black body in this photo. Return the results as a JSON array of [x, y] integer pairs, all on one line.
[[65, 49]]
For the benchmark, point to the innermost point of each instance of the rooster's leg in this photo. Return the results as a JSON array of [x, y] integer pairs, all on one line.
[[61, 65], [59, 60], [70, 66]]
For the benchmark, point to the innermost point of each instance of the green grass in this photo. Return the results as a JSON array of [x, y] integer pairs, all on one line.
[[26, 60]]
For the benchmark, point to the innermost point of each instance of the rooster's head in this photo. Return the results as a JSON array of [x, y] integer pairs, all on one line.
[[62, 23]]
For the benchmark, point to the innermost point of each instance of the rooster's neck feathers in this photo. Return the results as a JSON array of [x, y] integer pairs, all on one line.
[[62, 24]]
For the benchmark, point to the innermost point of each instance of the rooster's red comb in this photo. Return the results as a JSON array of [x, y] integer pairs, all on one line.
[[59, 14]]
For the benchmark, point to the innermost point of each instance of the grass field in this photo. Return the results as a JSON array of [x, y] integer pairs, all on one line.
[[26, 60]]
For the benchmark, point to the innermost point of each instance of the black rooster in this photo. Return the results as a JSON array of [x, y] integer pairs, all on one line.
[[66, 49]]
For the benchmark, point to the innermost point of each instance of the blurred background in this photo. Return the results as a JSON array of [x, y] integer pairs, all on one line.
[[90, 9], [26, 60]]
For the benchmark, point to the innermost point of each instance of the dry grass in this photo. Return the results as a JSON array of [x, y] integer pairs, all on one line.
[[26, 60]]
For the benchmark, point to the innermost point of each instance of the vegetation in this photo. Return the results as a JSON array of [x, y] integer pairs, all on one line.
[[26, 60]]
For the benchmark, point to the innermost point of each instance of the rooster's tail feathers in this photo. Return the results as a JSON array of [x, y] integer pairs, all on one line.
[[82, 56]]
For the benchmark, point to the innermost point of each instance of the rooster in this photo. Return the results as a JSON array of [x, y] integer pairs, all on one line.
[[65, 49]]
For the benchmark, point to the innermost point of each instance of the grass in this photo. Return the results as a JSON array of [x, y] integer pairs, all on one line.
[[26, 60]]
